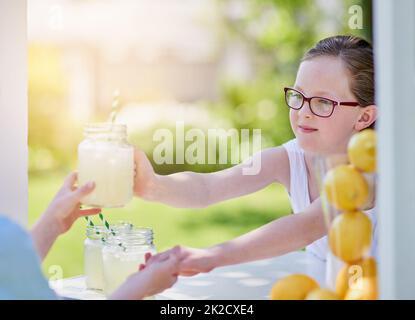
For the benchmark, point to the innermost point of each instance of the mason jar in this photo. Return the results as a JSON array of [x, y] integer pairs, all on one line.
[[122, 254], [93, 266], [96, 236], [106, 158]]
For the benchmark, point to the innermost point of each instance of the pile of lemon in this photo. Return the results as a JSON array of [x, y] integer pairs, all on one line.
[[350, 234]]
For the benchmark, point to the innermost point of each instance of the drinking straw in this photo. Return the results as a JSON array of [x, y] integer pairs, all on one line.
[[91, 224], [114, 106], [106, 224], [89, 221]]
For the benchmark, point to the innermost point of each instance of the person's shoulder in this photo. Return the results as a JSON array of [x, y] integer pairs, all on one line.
[[7, 223], [20, 273], [276, 158], [10, 231], [292, 146], [13, 237]]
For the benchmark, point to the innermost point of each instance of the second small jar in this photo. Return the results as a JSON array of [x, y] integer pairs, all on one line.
[[123, 254], [96, 236]]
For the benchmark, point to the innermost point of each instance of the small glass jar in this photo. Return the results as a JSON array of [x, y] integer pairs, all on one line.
[[93, 266], [106, 158], [122, 255], [96, 236]]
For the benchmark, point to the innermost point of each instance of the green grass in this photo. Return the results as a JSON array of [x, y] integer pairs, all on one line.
[[190, 227]]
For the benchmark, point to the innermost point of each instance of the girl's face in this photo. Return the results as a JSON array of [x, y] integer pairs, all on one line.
[[325, 77]]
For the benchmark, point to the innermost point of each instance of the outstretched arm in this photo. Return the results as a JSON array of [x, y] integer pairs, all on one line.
[[278, 237], [196, 190]]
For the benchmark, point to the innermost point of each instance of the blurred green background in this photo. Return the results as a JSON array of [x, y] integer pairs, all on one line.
[[209, 63]]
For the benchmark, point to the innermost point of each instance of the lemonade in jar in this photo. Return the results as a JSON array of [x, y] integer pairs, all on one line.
[[123, 254], [96, 237], [106, 158]]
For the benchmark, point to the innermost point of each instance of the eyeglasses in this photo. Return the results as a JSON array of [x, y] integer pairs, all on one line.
[[321, 107]]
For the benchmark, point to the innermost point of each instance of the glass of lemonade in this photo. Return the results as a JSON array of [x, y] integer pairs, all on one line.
[[122, 254], [106, 158], [93, 267], [96, 236]]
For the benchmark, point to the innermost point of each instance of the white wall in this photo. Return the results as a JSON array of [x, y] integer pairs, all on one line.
[[395, 77], [13, 110]]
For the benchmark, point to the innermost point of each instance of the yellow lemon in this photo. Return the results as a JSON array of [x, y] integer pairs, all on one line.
[[350, 236], [363, 289], [322, 294], [349, 274], [362, 150], [345, 188], [293, 287]]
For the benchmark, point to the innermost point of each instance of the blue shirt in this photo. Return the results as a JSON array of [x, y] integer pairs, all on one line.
[[20, 273]]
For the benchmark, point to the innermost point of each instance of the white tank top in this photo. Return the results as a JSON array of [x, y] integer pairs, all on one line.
[[300, 199]]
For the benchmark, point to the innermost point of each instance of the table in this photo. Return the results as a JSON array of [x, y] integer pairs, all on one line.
[[247, 281]]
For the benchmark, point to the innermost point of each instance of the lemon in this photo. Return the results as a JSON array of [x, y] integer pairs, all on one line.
[[363, 289], [293, 287], [349, 274], [345, 188], [322, 294], [362, 150], [350, 236]]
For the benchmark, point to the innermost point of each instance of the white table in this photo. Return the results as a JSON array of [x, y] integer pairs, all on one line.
[[252, 280]]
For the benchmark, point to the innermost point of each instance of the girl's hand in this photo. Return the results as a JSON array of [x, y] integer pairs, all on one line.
[[145, 177], [61, 214], [157, 276], [192, 260], [65, 206]]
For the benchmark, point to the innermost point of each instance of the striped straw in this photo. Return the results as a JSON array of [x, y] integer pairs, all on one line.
[[89, 221], [91, 224], [107, 225], [115, 105]]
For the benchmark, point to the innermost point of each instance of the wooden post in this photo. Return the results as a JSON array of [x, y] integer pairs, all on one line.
[[13, 110], [394, 36]]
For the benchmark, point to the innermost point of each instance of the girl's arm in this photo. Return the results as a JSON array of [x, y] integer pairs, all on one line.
[[281, 236], [197, 190]]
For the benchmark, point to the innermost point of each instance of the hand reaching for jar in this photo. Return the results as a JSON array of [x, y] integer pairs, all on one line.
[[192, 260], [156, 276], [61, 213], [144, 175]]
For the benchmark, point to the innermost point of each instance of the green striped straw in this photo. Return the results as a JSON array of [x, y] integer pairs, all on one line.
[[89, 221], [107, 225], [91, 224]]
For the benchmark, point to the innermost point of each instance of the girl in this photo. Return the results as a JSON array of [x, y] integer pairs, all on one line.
[[332, 98]]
